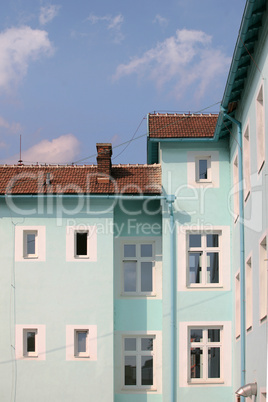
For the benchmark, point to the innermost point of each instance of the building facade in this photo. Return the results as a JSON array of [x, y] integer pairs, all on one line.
[[145, 283]]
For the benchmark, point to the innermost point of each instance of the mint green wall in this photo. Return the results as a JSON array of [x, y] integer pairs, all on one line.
[[210, 208], [255, 212], [56, 293]]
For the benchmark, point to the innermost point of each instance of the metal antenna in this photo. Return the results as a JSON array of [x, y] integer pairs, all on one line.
[[20, 160]]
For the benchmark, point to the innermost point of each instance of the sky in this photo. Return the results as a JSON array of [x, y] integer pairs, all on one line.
[[76, 72]]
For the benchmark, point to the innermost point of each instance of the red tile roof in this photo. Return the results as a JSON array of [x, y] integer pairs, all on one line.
[[182, 125], [129, 179]]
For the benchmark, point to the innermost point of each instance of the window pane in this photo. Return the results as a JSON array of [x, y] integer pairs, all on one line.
[[130, 275], [130, 344], [30, 341], [146, 370], [130, 370], [81, 243], [82, 341], [212, 240], [31, 243], [196, 363], [146, 344], [194, 240], [129, 250], [214, 363], [203, 166], [214, 335], [195, 267], [146, 277], [212, 267], [196, 335], [146, 250]]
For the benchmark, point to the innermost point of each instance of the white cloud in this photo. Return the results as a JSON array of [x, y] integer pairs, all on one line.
[[48, 13], [10, 127], [63, 149], [162, 21], [18, 46], [184, 59], [113, 24]]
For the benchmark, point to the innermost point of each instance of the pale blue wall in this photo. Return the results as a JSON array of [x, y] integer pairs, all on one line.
[[57, 293]]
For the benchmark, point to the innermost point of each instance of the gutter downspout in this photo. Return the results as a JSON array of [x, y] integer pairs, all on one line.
[[242, 247], [173, 336]]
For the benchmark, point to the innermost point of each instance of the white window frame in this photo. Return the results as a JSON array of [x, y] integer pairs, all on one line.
[[246, 163], [72, 343], [226, 354], [138, 259], [27, 353], [71, 255], [76, 255], [263, 277], [237, 305], [197, 170], [27, 255], [40, 342], [21, 233], [260, 121], [76, 351], [236, 187], [249, 294], [205, 250], [213, 169], [138, 354], [205, 345]]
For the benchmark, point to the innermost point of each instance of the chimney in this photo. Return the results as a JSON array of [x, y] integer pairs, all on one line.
[[104, 162]]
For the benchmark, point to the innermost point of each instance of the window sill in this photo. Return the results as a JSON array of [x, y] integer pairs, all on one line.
[[133, 388], [136, 295], [206, 382], [30, 257], [214, 286], [78, 257]]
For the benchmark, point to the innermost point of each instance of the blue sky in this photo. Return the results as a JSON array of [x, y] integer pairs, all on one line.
[[74, 73]]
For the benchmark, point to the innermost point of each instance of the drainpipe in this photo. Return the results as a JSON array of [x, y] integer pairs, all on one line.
[[242, 249], [173, 354]]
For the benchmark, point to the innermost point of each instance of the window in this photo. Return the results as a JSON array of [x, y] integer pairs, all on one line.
[[30, 244], [203, 259], [236, 187], [249, 295], [205, 350], [203, 169], [138, 264], [260, 130], [81, 244], [237, 305], [263, 278], [246, 163], [81, 341], [30, 343], [139, 361]]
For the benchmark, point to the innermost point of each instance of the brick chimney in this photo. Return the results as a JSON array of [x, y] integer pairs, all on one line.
[[104, 162]]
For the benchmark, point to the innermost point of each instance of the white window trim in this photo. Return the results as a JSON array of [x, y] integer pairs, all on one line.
[[119, 362], [76, 352], [249, 293], [260, 128], [157, 268], [204, 346], [197, 172], [224, 260], [237, 305], [75, 245], [246, 163], [138, 353], [226, 354], [20, 243], [138, 259], [213, 179], [263, 255], [71, 343], [91, 243], [40, 342]]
